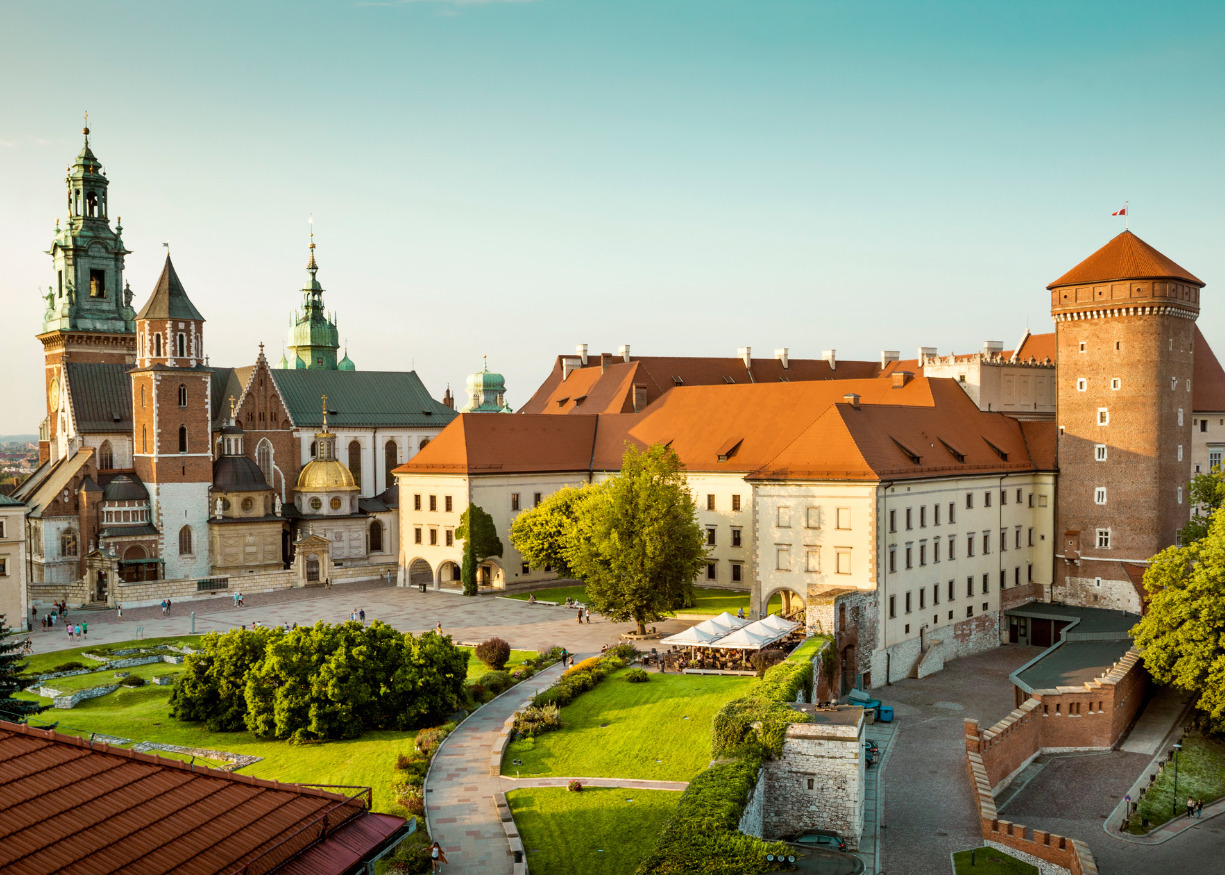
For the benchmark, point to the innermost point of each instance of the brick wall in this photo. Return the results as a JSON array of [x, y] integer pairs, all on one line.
[[972, 635]]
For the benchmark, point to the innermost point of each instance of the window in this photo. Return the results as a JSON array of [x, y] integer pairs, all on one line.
[[185, 541], [893, 560], [450, 539], [1081, 384], [952, 513], [1016, 576], [909, 561], [735, 502], [1103, 416], [712, 571], [737, 572], [1115, 383], [970, 544], [1099, 453], [952, 547], [4, 566], [1103, 539], [935, 514], [417, 535], [1003, 540], [433, 503], [182, 395], [922, 598], [514, 501], [969, 610], [844, 558], [969, 587], [892, 607], [936, 551], [986, 583], [376, 536], [710, 536], [814, 517], [909, 524], [1180, 495], [922, 554], [1003, 496], [952, 592], [1180, 417], [782, 559], [1180, 452], [969, 501], [447, 504], [536, 499], [68, 543], [813, 559], [1082, 346], [1099, 495], [1018, 543], [1041, 501], [316, 503], [263, 458], [142, 396], [1173, 382], [106, 456], [893, 520], [736, 538], [986, 543], [157, 346], [1214, 458], [1031, 536], [433, 537], [336, 503], [935, 596], [1203, 423], [97, 280], [908, 603], [416, 502], [710, 502], [986, 499], [181, 342], [844, 518], [784, 517], [391, 457], [182, 439], [1018, 496], [355, 461]]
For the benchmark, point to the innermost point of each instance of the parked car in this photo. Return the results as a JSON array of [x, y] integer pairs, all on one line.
[[871, 747], [820, 838]]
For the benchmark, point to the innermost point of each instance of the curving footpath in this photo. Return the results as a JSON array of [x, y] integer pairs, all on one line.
[[460, 813]]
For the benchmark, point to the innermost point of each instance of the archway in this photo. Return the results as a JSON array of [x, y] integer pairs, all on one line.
[[131, 569], [489, 575], [312, 568], [420, 574], [790, 604], [448, 572]]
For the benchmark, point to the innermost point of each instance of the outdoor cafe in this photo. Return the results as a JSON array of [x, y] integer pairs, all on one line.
[[725, 644]]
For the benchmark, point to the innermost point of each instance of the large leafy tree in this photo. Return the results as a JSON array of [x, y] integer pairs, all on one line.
[[1207, 492], [1182, 634], [12, 667], [212, 686], [636, 542], [480, 536], [542, 535]]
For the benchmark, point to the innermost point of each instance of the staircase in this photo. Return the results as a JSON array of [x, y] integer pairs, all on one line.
[[930, 660]]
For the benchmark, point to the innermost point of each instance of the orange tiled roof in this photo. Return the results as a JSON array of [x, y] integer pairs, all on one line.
[[1207, 378], [1124, 257], [1039, 347], [71, 807], [492, 443]]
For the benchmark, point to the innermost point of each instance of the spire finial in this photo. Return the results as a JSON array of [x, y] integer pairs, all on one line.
[[325, 413], [231, 408], [85, 130], [485, 363], [311, 265]]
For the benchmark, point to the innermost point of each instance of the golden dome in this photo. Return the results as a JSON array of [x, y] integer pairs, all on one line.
[[326, 475]]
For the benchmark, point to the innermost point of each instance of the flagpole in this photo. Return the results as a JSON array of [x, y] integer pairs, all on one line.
[[1126, 215]]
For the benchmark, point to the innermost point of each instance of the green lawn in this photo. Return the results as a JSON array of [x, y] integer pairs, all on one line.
[[666, 719], [476, 668], [1201, 774], [105, 678], [710, 600], [989, 861], [42, 663], [596, 832], [557, 594]]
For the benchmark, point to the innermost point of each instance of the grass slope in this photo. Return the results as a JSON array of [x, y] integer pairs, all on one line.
[[646, 722], [990, 861], [596, 832], [1201, 775]]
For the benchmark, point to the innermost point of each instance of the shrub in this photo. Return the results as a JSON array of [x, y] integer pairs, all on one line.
[[590, 664], [764, 659], [575, 786], [69, 666], [132, 681], [549, 652], [578, 682], [533, 720], [637, 676], [626, 651], [612, 663], [554, 695], [495, 653], [495, 681], [429, 739]]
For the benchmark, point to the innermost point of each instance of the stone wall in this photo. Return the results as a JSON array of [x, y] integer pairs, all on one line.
[[1113, 591], [973, 635], [752, 818], [894, 663]]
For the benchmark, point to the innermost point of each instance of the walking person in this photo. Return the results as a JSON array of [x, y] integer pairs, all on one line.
[[68, 626], [1199, 803], [439, 627], [362, 614], [580, 616], [587, 615], [168, 604], [44, 624], [437, 857], [85, 631], [119, 609], [1190, 807]]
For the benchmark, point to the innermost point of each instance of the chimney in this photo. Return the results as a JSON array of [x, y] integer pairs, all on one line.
[[993, 347], [624, 352], [852, 399], [888, 355], [581, 349], [901, 378], [569, 364], [746, 356], [781, 355], [605, 361], [925, 353], [830, 356], [640, 396]]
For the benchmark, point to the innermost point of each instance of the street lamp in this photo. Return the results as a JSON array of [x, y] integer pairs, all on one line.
[[1177, 748]]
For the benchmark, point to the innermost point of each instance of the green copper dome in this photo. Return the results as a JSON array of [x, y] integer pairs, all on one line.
[[486, 392], [313, 335]]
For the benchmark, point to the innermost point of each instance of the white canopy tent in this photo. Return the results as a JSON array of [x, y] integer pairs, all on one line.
[[752, 637], [774, 621], [694, 636], [722, 623]]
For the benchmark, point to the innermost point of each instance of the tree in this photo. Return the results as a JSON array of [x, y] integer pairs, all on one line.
[[1181, 636], [1207, 494], [12, 667], [211, 689], [481, 541], [541, 535], [637, 544]]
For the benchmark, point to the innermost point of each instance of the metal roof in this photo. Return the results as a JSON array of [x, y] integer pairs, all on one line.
[[169, 299], [360, 399], [101, 396]]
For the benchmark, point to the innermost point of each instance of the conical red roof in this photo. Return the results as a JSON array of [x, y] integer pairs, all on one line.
[[1125, 257]]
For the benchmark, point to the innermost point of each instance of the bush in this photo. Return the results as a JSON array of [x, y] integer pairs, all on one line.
[[554, 695], [637, 676], [578, 682], [533, 720], [495, 681], [132, 681], [590, 664], [764, 659], [69, 666], [429, 739], [575, 786], [495, 653], [627, 652]]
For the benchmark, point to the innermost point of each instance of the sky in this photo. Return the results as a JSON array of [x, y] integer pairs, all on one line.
[[511, 178]]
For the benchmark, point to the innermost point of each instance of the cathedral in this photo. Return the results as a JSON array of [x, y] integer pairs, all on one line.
[[163, 475]]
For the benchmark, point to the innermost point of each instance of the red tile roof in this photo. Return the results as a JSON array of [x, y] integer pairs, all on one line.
[[72, 808], [1207, 378], [1124, 257], [1038, 347], [491, 443]]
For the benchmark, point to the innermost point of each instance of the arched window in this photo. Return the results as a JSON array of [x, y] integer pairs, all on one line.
[[144, 439], [182, 439], [314, 449], [355, 461], [390, 453], [376, 536], [421, 446], [68, 543], [106, 456], [181, 352], [182, 395], [157, 346], [185, 541], [142, 396], [91, 204], [263, 458]]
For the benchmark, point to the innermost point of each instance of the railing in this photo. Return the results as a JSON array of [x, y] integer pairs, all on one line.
[[312, 831], [212, 584]]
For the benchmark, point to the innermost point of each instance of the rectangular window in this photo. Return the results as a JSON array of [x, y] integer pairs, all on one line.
[[1003, 540], [969, 501], [908, 603], [844, 559], [1099, 453], [893, 520], [1115, 383], [986, 543], [710, 536], [446, 504], [892, 607], [1203, 425], [969, 610], [952, 591], [417, 535], [1018, 545], [843, 518], [986, 499], [922, 597], [935, 596], [1031, 537], [450, 539], [970, 587], [1041, 501], [1081, 384], [936, 552], [1003, 496], [735, 537], [737, 572], [813, 557], [416, 502], [893, 560], [922, 554], [1016, 576], [935, 514], [986, 583], [712, 571], [525, 567], [923, 517], [814, 517], [909, 524], [4, 566], [952, 513], [735, 502], [433, 503], [1103, 416], [1018, 496], [952, 547], [909, 560], [710, 502], [782, 559], [1099, 495], [536, 500], [433, 537], [1103, 539], [1214, 458], [970, 544], [784, 517], [514, 501]]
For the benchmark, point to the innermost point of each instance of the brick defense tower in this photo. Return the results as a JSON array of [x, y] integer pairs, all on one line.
[[1124, 331], [171, 417], [88, 316]]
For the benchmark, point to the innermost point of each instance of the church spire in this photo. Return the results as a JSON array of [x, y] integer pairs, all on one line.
[[313, 335]]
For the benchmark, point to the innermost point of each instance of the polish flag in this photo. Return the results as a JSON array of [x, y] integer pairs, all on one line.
[[1122, 212]]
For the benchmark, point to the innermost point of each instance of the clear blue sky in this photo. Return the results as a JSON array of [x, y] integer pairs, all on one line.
[[513, 178]]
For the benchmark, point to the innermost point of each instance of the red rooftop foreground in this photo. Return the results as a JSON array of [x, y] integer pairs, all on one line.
[[67, 806]]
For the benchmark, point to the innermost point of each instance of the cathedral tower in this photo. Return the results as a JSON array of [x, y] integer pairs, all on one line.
[[313, 336], [171, 419], [88, 316], [1124, 330]]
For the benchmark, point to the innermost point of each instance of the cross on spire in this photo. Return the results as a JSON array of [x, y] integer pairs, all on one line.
[[325, 413], [231, 408]]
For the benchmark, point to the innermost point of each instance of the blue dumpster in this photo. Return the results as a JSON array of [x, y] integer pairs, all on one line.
[[884, 713]]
